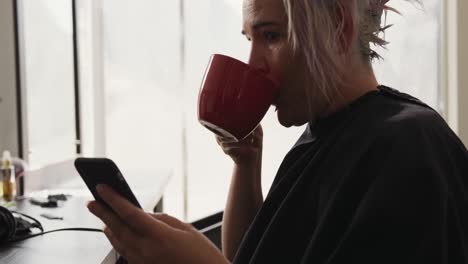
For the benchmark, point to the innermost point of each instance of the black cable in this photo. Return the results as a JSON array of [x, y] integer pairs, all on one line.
[[38, 224], [53, 231], [10, 226]]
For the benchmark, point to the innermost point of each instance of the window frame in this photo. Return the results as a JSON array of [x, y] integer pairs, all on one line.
[[46, 174], [455, 64]]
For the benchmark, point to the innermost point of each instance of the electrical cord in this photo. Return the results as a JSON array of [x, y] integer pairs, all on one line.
[[15, 229], [55, 230]]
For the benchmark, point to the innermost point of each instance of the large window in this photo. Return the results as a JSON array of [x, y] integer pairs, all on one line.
[[143, 83], [48, 76], [141, 65]]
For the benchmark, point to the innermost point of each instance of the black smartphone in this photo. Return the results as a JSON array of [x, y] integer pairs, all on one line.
[[95, 171]]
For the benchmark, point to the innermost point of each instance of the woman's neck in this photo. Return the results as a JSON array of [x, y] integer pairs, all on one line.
[[358, 81]]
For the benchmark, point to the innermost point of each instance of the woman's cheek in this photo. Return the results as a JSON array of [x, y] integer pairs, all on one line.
[[278, 63]]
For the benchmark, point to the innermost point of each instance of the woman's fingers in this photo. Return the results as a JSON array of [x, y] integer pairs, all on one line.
[[131, 253], [234, 146], [171, 221], [120, 231], [247, 142], [222, 140], [116, 243], [245, 150], [107, 216], [256, 135], [131, 215], [125, 241]]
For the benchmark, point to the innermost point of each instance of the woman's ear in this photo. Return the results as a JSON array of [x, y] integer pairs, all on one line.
[[346, 26]]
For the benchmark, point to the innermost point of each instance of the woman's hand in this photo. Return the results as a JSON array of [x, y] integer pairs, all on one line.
[[245, 192], [145, 238], [246, 151]]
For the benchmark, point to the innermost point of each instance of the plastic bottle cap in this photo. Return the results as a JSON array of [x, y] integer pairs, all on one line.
[[6, 159], [6, 155]]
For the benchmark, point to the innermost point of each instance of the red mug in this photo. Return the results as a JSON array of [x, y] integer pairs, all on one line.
[[234, 97]]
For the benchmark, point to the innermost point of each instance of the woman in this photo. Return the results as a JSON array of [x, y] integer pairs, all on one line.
[[377, 177]]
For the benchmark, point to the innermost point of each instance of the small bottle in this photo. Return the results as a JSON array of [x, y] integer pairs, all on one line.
[[20, 171], [8, 177]]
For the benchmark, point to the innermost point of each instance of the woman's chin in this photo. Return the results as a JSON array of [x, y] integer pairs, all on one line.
[[287, 120], [284, 119]]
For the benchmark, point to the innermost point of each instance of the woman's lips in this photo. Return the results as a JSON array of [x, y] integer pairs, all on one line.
[[276, 102], [276, 106]]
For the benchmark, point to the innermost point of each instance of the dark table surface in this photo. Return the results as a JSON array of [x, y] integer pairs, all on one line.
[[76, 246]]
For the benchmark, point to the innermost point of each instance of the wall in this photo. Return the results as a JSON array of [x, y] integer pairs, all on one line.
[[8, 106]]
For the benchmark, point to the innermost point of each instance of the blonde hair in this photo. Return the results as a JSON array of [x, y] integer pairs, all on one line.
[[313, 33]]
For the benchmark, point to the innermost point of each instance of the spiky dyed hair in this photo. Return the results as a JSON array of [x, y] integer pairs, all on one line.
[[313, 31], [371, 26]]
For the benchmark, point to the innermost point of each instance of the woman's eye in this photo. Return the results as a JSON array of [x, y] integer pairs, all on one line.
[[271, 36]]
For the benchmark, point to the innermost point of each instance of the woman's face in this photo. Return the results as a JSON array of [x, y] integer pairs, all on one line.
[[265, 26]]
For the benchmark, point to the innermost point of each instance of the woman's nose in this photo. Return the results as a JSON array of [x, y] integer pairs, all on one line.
[[258, 61]]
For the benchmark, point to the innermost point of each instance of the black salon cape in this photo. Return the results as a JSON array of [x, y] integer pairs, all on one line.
[[383, 181]]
